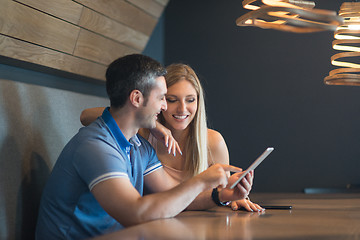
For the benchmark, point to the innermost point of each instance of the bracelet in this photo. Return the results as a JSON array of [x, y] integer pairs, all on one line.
[[215, 198]]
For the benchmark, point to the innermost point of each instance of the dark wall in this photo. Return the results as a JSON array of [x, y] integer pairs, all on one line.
[[265, 88]]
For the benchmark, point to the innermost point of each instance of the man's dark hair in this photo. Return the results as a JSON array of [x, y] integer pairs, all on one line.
[[131, 72]]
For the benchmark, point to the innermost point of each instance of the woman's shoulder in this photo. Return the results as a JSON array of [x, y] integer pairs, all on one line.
[[217, 147], [216, 141], [214, 137], [144, 132]]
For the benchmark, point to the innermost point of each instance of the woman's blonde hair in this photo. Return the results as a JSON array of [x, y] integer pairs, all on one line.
[[196, 158]]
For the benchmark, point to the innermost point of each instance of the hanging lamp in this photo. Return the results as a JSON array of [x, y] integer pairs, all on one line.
[[288, 15], [347, 39]]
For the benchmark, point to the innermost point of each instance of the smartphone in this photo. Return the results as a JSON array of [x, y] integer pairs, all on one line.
[[254, 165], [278, 207]]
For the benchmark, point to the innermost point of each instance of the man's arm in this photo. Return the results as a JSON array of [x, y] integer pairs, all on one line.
[[160, 180], [121, 200]]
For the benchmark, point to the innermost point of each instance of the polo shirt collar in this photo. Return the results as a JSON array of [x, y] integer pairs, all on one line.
[[119, 136]]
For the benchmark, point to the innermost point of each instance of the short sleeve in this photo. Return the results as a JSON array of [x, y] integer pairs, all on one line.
[[153, 163], [96, 161]]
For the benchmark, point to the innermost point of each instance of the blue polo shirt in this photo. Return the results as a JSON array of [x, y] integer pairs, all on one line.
[[99, 152]]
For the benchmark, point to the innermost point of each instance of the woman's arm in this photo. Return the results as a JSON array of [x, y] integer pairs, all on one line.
[[218, 153], [90, 114], [160, 132], [164, 135]]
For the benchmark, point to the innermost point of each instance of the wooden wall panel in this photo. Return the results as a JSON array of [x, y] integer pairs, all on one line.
[[80, 36], [114, 30], [30, 25], [162, 2], [150, 6], [67, 10], [9, 47], [92, 46], [123, 12]]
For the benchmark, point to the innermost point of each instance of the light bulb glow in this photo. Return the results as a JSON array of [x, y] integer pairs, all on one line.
[[354, 27], [347, 40]]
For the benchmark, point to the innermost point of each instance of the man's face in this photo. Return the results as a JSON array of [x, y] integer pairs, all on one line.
[[155, 103]]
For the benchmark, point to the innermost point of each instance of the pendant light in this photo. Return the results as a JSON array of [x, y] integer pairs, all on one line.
[[347, 39], [288, 15]]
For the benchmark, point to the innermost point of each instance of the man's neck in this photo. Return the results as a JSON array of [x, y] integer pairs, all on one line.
[[125, 121]]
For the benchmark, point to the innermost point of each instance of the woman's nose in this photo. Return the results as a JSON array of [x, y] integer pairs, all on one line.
[[182, 107]]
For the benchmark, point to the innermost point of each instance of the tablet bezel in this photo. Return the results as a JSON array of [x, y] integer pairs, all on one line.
[[254, 165]]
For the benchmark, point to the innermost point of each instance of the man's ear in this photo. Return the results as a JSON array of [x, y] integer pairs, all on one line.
[[136, 98]]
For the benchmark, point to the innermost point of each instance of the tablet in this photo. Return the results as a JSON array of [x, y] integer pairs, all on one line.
[[254, 165]]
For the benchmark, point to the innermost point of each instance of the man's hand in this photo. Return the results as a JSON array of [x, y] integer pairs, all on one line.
[[241, 190], [216, 175], [164, 135]]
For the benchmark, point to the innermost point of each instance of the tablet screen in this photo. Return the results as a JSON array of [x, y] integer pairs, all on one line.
[[254, 165]]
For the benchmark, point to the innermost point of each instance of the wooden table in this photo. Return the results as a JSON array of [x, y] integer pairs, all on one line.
[[314, 217]]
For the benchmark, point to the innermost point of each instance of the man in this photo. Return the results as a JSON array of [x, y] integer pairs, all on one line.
[[96, 184]]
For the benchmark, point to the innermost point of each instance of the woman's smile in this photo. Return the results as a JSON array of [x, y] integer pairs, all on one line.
[[180, 117]]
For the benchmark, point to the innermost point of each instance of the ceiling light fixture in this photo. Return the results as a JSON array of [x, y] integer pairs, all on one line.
[[347, 39], [288, 15]]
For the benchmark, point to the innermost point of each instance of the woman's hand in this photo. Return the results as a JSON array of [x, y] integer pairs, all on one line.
[[242, 190], [164, 135], [247, 205]]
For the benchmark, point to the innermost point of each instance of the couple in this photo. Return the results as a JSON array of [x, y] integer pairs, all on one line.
[[96, 185]]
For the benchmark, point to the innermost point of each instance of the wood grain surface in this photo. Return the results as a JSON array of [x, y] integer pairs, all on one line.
[[80, 37]]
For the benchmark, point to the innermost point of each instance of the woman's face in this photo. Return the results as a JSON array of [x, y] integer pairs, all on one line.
[[181, 105]]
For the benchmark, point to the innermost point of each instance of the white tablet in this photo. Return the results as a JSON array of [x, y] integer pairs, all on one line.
[[254, 165]]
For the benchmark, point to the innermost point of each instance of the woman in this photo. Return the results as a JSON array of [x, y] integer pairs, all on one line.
[[185, 117]]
